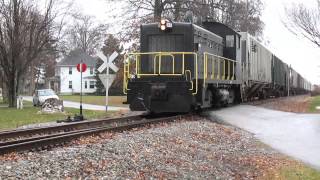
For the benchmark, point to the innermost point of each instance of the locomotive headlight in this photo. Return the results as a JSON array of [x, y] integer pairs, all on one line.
[[163, 22], [163, 27]]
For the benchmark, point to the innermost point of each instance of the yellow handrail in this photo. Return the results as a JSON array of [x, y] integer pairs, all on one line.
[[228, 70], [155, 62], [232, 78], [212, 76], [158, 55], [189, 72], [224, 70], [219, 64], [226, 63], [194, 82], [126, 73]]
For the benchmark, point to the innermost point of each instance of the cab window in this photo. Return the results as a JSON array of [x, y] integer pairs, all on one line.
[[230, 41]]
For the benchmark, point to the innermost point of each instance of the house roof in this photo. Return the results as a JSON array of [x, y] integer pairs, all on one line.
[[75, 57]]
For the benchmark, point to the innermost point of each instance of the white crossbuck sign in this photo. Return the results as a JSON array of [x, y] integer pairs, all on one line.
[[108, 62], [106, 78]]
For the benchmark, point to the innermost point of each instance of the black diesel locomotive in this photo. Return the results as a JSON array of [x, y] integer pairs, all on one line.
[[183, 66]]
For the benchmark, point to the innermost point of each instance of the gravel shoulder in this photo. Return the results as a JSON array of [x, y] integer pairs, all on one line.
[[195, 148]]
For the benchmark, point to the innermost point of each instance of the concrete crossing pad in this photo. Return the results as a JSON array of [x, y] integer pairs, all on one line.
[[297, 135]]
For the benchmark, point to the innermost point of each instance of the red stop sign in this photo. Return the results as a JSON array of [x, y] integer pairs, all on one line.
[[81, 67]]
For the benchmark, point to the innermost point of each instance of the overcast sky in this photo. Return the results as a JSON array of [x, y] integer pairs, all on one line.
[[301, 54]]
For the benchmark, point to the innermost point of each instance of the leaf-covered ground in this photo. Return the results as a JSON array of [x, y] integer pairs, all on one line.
[[193, 148]]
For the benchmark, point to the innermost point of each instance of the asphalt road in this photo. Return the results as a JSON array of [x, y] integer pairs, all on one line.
[[71, 104], [297, 135]]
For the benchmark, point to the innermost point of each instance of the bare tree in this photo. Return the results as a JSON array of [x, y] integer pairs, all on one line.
[[240, 15], [26, 33], [84, 34], [303, 21]]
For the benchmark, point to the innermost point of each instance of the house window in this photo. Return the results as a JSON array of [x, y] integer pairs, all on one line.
[[86, 84], [70, 70], [70, 84], [92, 84], [91, 70]]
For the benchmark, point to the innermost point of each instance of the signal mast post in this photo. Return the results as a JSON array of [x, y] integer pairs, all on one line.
[[81, 68], [107, 88]]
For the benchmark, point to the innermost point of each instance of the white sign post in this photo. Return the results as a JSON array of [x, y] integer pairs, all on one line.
[[108, 63], [19, 102]]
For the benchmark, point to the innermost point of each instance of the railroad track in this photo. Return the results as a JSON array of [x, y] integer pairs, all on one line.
[[48, 137], [16, 134]]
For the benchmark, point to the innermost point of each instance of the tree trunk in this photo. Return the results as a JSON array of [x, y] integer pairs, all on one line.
[[12, 96], [12, 89]]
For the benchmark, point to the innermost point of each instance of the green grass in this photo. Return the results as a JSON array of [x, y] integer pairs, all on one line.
[[1, 101], [314, 103], [298, 173], [97, 100], [12, 118]]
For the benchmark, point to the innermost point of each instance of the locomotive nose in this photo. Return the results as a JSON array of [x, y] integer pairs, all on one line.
[[158, 91]]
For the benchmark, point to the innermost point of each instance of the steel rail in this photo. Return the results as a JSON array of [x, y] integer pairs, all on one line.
[[12, 134], [52, 140], [109, 122]]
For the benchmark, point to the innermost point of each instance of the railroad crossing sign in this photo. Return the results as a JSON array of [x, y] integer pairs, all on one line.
[[105, 78], [108, 61]]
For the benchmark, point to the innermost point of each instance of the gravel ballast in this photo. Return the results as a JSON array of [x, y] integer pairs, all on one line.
[[195, 149]]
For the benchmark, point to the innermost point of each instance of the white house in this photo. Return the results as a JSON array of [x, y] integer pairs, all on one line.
[[70, 78]]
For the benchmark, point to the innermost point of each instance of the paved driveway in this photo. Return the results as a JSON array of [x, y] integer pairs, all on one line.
[[297, 135], [71, 104]]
